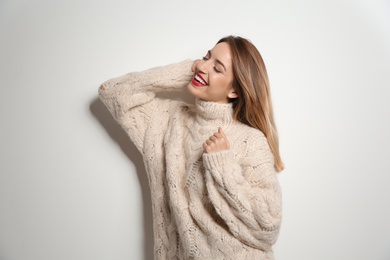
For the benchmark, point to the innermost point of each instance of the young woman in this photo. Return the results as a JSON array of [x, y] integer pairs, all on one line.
[[211, 166]]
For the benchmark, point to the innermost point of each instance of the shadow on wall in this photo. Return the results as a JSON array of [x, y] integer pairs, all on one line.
[[115, 131], [117, 134]]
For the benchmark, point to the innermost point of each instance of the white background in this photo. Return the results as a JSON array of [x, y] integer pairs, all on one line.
[[73, 187]]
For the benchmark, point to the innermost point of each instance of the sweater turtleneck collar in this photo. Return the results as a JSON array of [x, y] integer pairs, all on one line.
[[221, 113]]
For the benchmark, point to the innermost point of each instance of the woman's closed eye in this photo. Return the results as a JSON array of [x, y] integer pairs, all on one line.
[[216, 69], [215, 66]]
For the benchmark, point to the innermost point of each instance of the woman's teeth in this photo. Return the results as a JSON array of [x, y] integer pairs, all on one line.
[[200, 80]]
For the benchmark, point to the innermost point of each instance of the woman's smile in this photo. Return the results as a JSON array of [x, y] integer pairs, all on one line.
[[198, 81]]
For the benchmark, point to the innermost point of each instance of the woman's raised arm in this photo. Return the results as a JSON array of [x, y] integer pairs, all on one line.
[[131, 98]]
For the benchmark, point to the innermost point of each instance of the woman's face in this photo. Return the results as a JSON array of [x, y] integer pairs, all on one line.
[[213, 75]]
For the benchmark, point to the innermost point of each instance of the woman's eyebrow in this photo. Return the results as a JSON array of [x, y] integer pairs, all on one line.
[[218, 61]]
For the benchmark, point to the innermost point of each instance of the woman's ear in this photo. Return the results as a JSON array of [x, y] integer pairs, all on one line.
[[232, 94]]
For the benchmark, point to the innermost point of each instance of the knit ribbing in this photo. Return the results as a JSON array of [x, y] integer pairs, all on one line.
[[223, 205]]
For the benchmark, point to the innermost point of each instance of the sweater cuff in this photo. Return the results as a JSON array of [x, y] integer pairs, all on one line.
[[216, 163], [169, 77], [218, 159]]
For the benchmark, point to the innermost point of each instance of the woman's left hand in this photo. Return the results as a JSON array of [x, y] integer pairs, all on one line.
[[194, 64], [216, 143]]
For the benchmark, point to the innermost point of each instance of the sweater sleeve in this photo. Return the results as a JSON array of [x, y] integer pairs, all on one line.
[[246, 194], [132, 101]]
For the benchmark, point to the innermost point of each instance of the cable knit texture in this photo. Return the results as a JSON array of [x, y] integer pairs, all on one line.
[[224, 205]]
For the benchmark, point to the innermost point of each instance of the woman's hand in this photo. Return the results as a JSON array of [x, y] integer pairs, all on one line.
[[216, 143], [193, 68]]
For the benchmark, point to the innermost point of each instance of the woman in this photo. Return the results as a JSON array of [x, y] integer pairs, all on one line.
[[211, 166]]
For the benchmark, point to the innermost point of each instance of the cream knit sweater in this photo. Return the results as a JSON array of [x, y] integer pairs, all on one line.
[[224, 205]]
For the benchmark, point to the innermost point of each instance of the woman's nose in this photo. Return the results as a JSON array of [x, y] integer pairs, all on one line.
[[202, 66]]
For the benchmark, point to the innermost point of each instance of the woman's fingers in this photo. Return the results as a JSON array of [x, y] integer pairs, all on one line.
[[221, 132], [217, 142], [193, 67]]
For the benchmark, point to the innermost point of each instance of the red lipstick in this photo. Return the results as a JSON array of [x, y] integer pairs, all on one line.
[[198, 81]]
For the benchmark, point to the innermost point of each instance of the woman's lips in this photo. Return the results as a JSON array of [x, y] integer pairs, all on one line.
[[198, 81]]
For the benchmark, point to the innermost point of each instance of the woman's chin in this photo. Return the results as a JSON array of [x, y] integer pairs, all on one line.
[[193, 90]]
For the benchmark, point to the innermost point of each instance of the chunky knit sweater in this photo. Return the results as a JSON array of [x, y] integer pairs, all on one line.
[[223, 205]]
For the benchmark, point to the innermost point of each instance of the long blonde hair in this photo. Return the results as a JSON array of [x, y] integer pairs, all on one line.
[[253, 105]]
